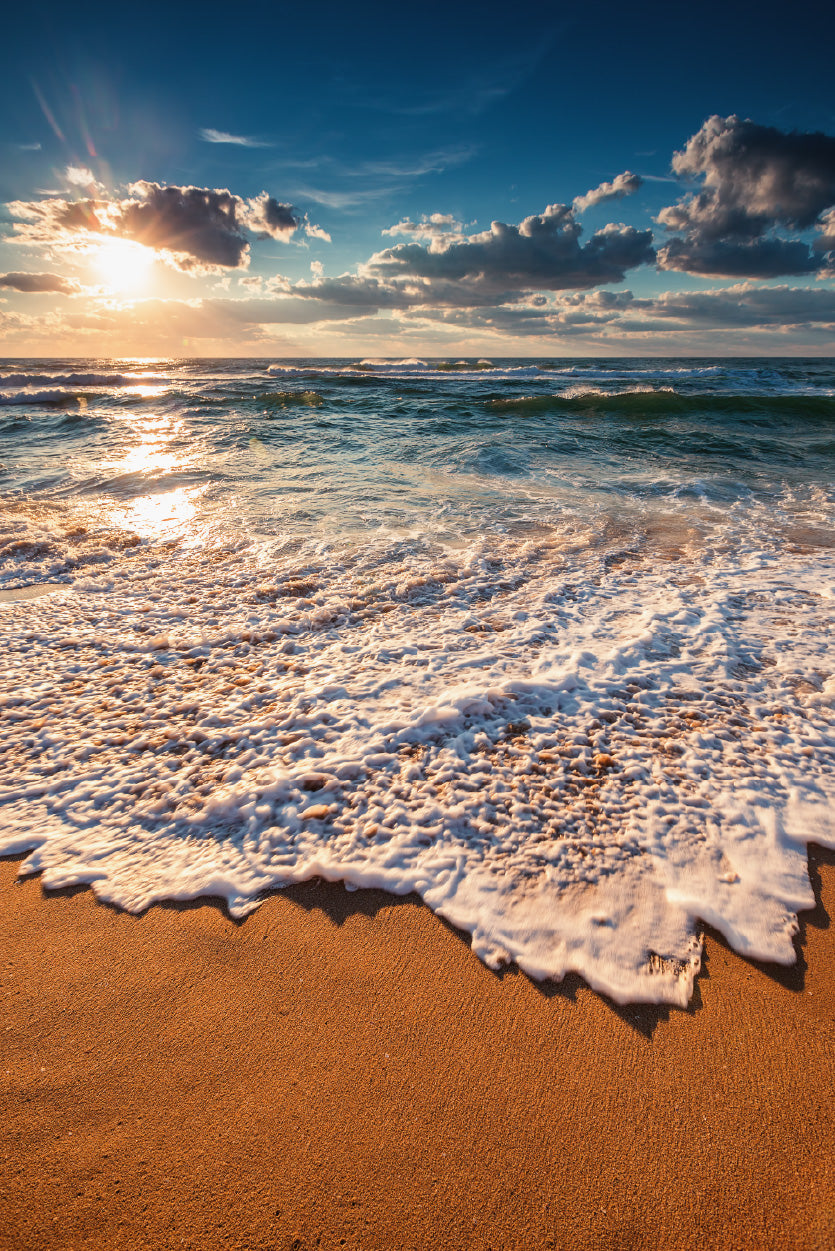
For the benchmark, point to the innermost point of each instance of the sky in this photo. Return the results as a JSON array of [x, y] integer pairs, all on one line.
[[443, 180]]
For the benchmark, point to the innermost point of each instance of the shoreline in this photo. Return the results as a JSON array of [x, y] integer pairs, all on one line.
[[339, 1069]]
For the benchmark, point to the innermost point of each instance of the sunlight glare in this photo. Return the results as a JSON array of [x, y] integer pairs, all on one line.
[[123, 264]]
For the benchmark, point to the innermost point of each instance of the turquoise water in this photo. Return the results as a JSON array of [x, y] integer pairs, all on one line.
[[317, 447]]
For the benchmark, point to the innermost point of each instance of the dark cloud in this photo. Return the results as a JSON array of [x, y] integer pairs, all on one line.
[[754, 177], [355, 292], [616, 313], [756, 180], [197, 229], [268, 216], [203, 228], [542, 253], [39, 282], [743, 258], [746, 305]]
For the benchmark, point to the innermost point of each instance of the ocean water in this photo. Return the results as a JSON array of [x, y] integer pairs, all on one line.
[[547, 642]]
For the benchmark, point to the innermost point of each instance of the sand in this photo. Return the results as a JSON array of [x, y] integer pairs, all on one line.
[[339, 1070]]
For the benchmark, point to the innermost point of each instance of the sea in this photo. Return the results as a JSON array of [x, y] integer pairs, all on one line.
[[546, 642]]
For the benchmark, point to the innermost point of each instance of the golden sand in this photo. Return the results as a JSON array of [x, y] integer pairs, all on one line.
[[339, 1070]]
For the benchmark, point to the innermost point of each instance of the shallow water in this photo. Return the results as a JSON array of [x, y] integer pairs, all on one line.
[[546, 642]]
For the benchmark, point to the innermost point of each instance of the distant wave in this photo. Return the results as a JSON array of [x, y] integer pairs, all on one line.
[[409, 369], [638, 400], [289, 399], [54, 396], [80, 380]]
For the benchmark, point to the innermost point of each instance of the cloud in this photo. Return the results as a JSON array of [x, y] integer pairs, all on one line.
[[343, 200], [80, 176], [431, 227], [756, 181], [209, 135], [744, 258], [34, 283], [430, 163], [625, 184], [268, 216], [744, 305], [747, 305], [542, 253], [355, 291], [194, 229], [825, 241], [364, 182], [755, 176], [612, 316], [201, 228], [316, 232], [745, 315]]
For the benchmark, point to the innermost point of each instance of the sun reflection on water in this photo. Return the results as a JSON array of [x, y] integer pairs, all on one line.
[[158, 447], [165, 514], [144, 391]]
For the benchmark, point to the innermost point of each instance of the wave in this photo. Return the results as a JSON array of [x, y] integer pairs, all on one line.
[[577, 764], [411, 368], [56, 397], [291, 399], [80, 380], [640, 401]]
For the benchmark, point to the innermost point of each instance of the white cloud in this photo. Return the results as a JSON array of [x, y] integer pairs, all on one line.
[[625, 184], [209, 135]]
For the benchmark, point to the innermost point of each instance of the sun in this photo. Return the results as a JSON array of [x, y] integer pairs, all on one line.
[[123, 264]]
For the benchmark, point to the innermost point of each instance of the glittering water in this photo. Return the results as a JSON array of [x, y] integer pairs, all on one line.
[[546, 642]]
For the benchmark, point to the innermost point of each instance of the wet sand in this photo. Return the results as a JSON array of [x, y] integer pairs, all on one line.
[[339, 1070]]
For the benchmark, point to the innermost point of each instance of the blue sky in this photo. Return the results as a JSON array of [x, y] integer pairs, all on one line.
[[330, 125]]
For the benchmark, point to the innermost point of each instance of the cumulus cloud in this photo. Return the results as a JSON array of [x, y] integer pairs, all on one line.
[[267, 216], [739, 258], [81, 176], [35, 283], [625, 184], [209, 135], [356, 291], [431, 228], [195, 229], [747, 305], [542, 253], [744, 305], [756, 181], [755, 176], [315, 232], [200, 227], [825, 241]]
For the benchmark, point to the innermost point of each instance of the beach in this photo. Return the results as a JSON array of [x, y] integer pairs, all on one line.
[[339, 1070], [378, 740]]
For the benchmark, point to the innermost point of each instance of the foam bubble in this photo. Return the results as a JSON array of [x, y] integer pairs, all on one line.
[[574, 756]]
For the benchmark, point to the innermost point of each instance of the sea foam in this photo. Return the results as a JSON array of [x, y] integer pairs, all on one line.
[[576, 760], [547, 643]]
